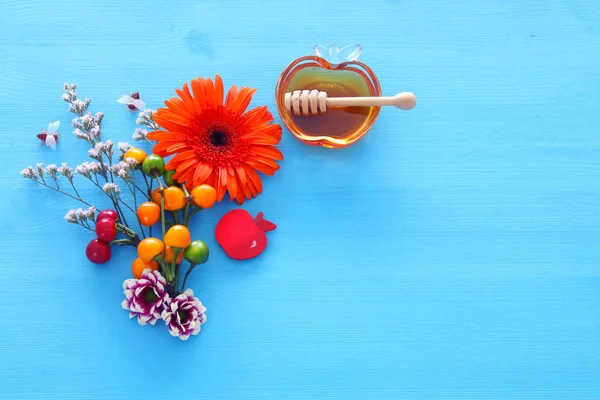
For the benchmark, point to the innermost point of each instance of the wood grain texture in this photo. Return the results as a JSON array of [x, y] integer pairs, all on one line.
[[451, 254]]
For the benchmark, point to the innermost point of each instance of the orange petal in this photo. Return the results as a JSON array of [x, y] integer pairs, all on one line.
[[177, 106], [258, 116], [259, 166], [223, 176], [232, 187], [176, 147], [202, 172], [266, 161], [218, 90], [240, 194], [241, 102], [232, 94], [162, 149], [241, 174], [198, 87], [210, 93], [267, 151], [171, 122], [186, 97], [254, 178], [245, 188], [166, 136], [187, 164], [179, 158]]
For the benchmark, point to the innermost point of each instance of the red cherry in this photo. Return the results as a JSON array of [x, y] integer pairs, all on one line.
[[106, 229], [112, 214], [97, 252]]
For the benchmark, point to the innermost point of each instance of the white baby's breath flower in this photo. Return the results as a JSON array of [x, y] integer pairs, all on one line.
[[123, 146], [100, 147], [123, 174], [80, 214], [109, 148], [84, 169], [66, 171], [95, 167], [131, 163], [79, 106], [29, 172], [40, 169], [95, 132], [79, 134], [52, 170], [87, 120], [71, 216], [140, 134], [95, 153], [90, 213], [111, 189]]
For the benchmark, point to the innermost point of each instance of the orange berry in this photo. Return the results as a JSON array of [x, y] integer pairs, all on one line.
[[170, 254], [205, 196], [156, 196], [138, 266], [174, 198], [148, 213], [139, 155], [150, 248], [178, 236]]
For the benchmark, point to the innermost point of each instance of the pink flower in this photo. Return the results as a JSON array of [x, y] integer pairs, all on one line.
[[184, 315], [146, 297]]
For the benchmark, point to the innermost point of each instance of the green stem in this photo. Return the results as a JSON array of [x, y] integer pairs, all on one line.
[[119, 209], [175, 266], [86, 227], [164, 267], [175, 216], [120, 242], [132, 190], [186, 210], [112, 179], [66, 194], [73, 186], [126, 230], [189, 271], [162, 208], [194, 211]]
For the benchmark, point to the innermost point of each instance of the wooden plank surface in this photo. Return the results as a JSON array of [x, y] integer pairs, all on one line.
[[452, 254]]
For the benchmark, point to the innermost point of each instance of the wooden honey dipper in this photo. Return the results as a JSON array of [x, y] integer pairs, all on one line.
[[312, 102]]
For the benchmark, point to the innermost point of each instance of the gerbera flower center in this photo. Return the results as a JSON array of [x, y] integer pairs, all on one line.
[[218, 138]]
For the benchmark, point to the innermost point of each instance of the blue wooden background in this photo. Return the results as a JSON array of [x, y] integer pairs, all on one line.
[[451, 254]]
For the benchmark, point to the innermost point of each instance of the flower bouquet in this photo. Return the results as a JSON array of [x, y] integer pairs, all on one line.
[[204, 146]]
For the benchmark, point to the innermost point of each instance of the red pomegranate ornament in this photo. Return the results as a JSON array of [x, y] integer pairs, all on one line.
[[241, 236]]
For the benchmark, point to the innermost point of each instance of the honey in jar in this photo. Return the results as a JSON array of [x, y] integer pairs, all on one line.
[[338, 73]]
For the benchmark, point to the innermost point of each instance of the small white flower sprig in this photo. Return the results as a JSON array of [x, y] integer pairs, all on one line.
[[107, 171]]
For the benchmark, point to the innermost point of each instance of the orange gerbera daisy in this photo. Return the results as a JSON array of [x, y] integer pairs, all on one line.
[[217, 143]]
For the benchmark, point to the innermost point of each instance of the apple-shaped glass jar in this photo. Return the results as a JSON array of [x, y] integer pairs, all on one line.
[[337, 72]]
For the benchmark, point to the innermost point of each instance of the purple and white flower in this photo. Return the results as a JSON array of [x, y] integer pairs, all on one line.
[[146, 297], [184, 315]]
